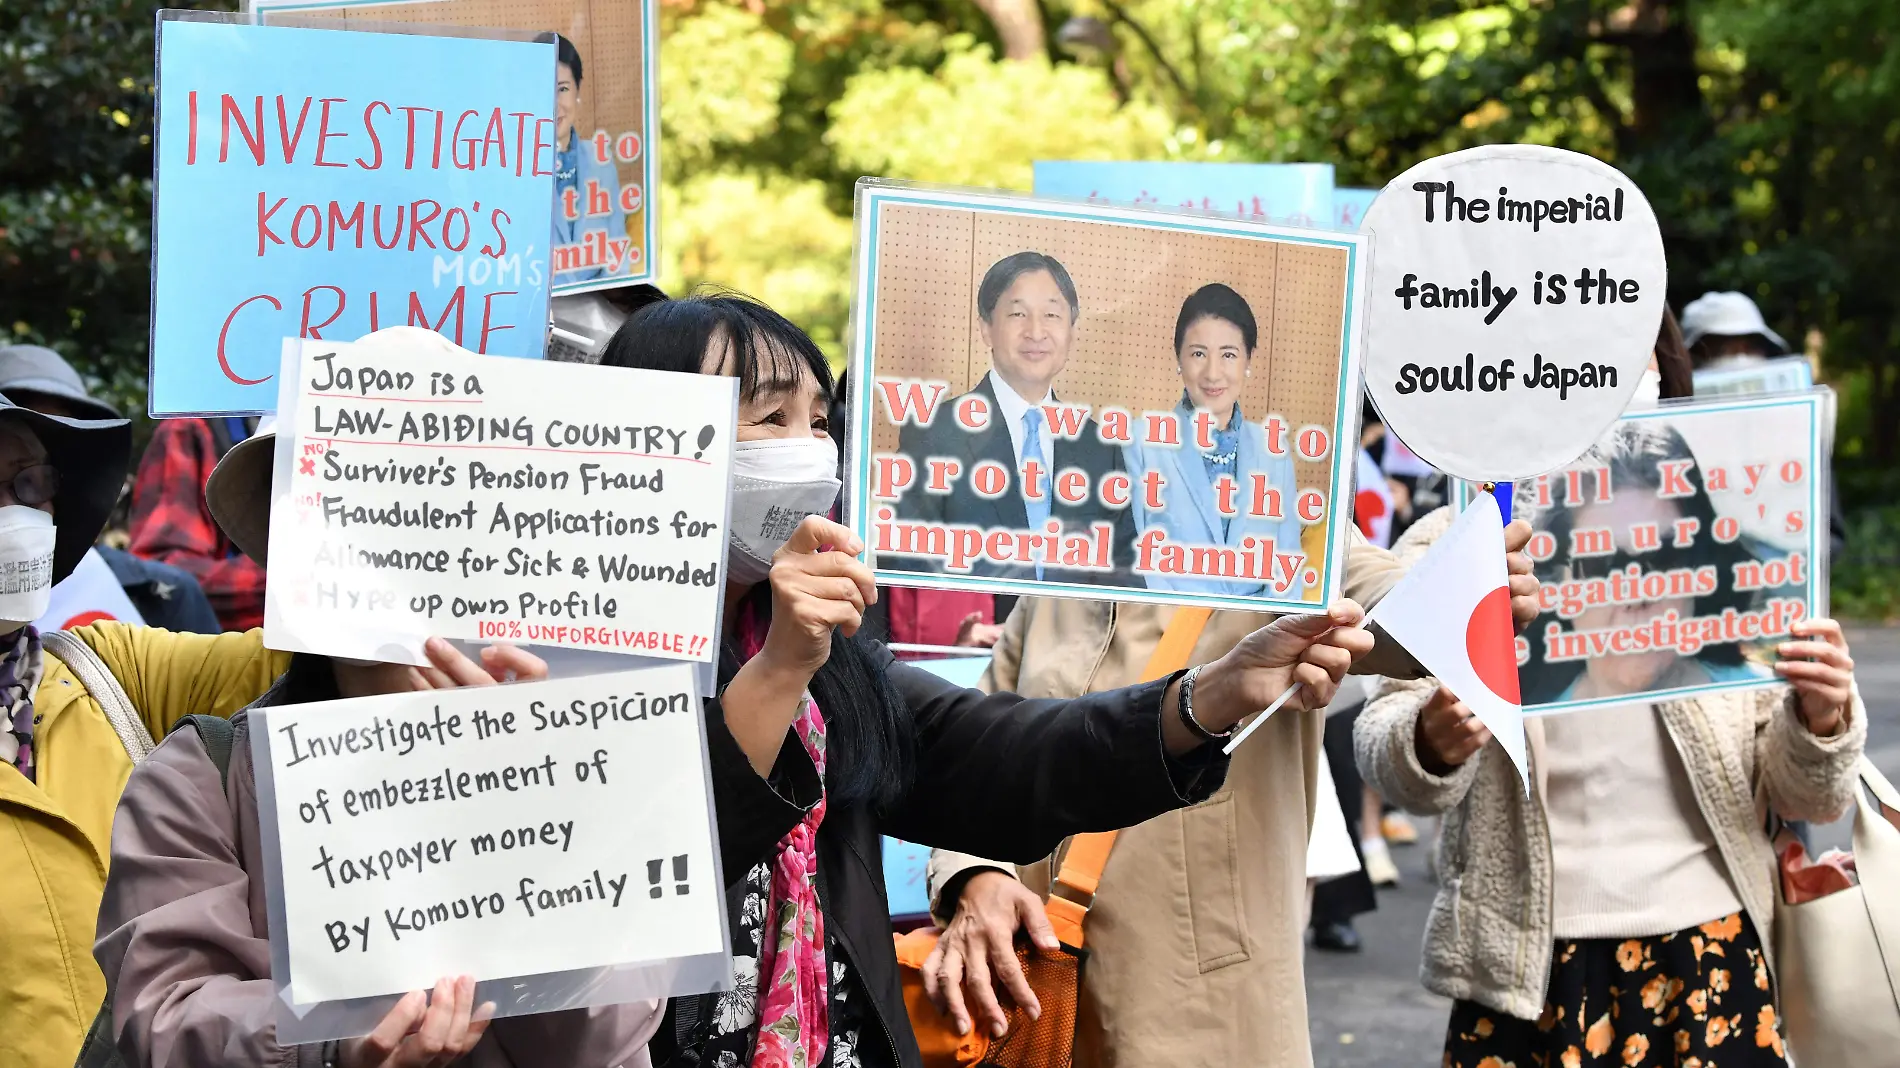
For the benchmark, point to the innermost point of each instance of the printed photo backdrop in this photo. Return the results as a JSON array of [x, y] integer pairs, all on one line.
[[607, 113], [1138, 516], [1677, 552]]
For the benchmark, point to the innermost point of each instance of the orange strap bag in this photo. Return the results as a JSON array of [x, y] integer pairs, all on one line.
[[1049, 1041]]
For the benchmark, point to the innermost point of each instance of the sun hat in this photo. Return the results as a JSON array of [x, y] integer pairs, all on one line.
[[35, 369], [1727, 314], [238, 493], [91, 456]]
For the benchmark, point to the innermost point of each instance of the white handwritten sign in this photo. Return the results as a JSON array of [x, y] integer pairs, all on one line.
[[494, 832], [424, 490], [1515, 298]]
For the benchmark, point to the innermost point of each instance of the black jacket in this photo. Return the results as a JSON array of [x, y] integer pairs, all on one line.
[[998, 775], [944, 437]]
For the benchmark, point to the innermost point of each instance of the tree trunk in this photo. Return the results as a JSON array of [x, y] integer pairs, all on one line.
[[1019, 24], [1663, 88]]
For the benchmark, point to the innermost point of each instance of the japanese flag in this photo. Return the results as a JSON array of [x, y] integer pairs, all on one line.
[[1452, 611], [1372, 503]]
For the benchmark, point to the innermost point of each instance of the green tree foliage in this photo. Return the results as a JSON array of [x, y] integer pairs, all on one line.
[[75, 183], [1766, 132]]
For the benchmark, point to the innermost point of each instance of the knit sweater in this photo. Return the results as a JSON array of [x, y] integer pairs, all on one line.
[[1488, 938]]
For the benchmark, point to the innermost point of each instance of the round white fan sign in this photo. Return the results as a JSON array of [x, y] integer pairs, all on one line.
[[1516, 294]]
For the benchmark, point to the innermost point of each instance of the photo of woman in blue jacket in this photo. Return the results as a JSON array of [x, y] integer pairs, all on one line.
[[1214, 341]]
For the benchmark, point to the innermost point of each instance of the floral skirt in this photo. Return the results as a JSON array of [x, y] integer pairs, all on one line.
[[1699, 998]]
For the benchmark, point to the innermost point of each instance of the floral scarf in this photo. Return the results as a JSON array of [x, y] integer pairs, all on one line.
[[793, 1024], [20, 668]]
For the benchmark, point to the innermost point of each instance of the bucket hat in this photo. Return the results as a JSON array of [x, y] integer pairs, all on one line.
[[238, 493], [91, 456], [35, 369], [1728, 314]]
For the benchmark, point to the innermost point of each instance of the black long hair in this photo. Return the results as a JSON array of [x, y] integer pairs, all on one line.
[[1673, 361], [1216, 301], [870, 738]]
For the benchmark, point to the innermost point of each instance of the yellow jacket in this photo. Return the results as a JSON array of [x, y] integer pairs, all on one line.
[[56, 837]]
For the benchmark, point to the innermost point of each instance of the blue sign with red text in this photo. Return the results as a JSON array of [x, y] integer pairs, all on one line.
[[327, 183], [1292, 194]]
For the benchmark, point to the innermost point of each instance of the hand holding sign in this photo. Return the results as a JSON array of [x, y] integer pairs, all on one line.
[[817, 584], [423, 1031]]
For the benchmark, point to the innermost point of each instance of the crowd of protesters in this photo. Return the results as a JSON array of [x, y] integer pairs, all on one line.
[[1559, 922]]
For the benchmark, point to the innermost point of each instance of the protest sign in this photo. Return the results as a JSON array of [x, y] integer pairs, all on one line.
[[907, 864], [423, 490], [1292, 194], [1350, 205], [500, 832], [1677, 551], [323, 183], [606, 119], [1090, 401], [1515, 298], [1790, 374]]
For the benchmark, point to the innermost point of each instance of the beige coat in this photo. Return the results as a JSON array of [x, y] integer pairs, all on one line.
[[1488, 938], [1195, 936]]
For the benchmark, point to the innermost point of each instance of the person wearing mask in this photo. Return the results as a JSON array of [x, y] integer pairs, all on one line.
[[184, 933], [171, 525], [1215, 338], [165, 597], [62, 761], [1026, 309], [1727, 330], [586, 184], [1620, 912], [821, 742]]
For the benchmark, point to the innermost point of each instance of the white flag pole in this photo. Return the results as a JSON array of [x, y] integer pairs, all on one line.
[[1502, 493], [1268, 712]]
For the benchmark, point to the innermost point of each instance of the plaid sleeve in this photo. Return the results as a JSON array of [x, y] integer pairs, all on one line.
[[171, 524]]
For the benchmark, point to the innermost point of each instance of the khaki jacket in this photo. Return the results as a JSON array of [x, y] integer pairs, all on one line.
[[57, 831], [1195, 937], [1488, 938]]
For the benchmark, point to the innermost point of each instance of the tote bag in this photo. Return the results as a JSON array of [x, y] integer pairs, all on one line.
[[1839, 955]]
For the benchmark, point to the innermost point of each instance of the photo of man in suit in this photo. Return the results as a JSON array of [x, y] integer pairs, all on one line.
[[1027, 311]]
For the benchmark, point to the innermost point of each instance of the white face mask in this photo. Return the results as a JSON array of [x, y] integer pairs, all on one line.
[[776, 483], [27, 536], [1648, 389]]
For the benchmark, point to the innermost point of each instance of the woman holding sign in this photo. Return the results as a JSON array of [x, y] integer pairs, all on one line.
[[821, 741], [78, 709], [183, 929], [1620, 911], [1215, 337]]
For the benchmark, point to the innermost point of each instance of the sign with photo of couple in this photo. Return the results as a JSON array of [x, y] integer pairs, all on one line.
[[1677, 552], [1088, 401], [604, 138]]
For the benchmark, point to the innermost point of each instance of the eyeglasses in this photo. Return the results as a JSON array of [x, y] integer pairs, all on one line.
[[33, 486]]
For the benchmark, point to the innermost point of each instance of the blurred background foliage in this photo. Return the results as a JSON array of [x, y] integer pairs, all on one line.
[[1766, 133]]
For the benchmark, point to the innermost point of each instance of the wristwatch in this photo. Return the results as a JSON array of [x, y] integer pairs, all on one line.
[[331, 1054], [1187, 711]]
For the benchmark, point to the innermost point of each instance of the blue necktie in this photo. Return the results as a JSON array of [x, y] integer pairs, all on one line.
[[1037, 509]]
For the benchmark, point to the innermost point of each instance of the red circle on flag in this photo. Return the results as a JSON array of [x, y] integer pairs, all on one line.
[[1491, 644], [84, 618]]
